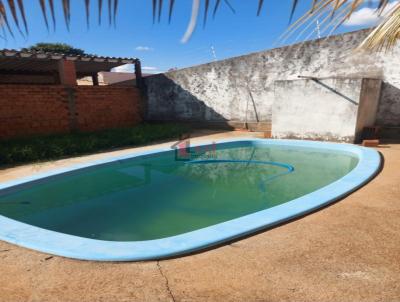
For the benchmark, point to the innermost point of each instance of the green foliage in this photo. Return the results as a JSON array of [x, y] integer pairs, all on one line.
[[56, 48], [65, 145]]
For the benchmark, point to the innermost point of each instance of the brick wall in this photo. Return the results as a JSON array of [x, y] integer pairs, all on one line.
[[27, 79], [104, 107], [27, 110]]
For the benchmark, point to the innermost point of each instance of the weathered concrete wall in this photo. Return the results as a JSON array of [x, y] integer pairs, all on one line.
[[329, 109], [310, 109], [225, 90]]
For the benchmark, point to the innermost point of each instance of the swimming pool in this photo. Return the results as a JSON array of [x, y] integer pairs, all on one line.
[[167, 202]]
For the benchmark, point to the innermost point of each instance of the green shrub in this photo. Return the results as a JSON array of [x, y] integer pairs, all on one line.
[[64, 145]]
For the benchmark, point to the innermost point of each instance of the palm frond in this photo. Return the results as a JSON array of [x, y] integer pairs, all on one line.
[[314, 2], [87, 10], [157, 6], [217, 3], [315, 12], [171, 8], [154, 5], [22, 11], [109, 13], [43, 8], [13, 10], [382, 4], [386, 35], [260, 6], [115, 9], [67, 12], [206, 7], [53, 15], [228, 4], [100, 5], [294, 6], [4, 18], [160, 5], [333, 13]]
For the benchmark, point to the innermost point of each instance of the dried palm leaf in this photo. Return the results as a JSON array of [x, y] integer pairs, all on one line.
[[217, 3], [3, 16], [53, 15], [22, 11], [87, 10], [67, 12], [109, 13], [228, 4], [154, 5], [206, 7], [171, 8], [260, 5], [386, 35], [100, 5], [294, 6], [160, 4], [13, 10], [316, 11], [115, 9], [43, 8]]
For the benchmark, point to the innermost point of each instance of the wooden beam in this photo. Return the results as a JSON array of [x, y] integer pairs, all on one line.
[[138, 73], [95, 79]]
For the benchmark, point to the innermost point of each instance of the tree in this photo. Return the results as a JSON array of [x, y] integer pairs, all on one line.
[[332, 12], [56, 48]]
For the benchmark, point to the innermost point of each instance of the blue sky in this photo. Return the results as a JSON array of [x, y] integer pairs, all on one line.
[[158, 45]]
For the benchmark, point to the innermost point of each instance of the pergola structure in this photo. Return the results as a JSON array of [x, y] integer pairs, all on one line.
[[61, 68]]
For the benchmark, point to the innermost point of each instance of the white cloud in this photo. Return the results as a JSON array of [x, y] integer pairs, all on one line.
[[131, 68], [149, 68], [369, 16], [144, 48], [124, 68]]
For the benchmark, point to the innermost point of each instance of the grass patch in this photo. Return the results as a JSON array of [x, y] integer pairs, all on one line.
[[52, 147]]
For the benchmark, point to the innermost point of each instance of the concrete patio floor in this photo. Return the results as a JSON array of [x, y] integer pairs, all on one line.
[[349, 251]]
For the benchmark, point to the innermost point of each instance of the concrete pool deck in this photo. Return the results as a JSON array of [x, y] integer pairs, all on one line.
[[347, 251]]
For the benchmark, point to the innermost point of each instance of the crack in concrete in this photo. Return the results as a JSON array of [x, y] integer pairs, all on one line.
[[166, 282]]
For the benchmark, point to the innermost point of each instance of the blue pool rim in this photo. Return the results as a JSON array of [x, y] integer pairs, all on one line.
[[70, 246]]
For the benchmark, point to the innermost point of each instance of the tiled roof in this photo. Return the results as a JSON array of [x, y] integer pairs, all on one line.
[[31, 62], [12, 53]]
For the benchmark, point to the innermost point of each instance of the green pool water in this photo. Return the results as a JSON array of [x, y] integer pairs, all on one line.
[[157, 196]]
